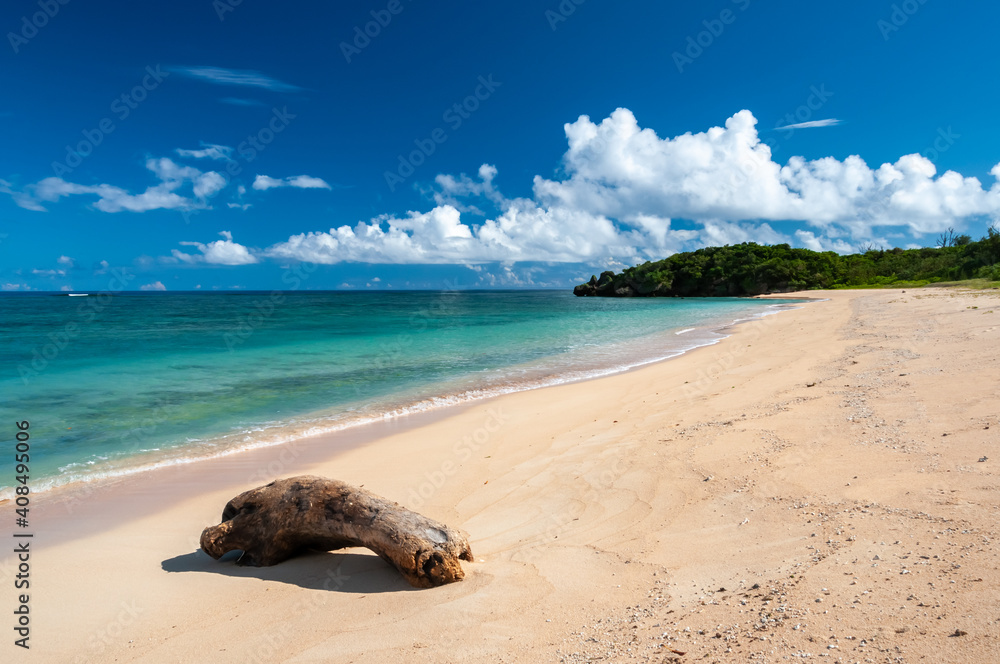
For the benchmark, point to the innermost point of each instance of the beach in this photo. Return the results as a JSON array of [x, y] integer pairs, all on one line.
[[809, 486]]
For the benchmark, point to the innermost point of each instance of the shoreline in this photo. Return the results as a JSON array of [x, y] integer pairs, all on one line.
[[729, 503], [73, 490]]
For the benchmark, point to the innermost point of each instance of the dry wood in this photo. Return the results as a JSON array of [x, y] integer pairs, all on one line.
[[279, 520]]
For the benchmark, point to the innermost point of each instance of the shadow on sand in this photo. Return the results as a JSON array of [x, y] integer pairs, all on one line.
[[318, 570]]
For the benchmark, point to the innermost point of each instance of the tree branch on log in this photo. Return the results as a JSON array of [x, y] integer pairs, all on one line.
[[274, 522]]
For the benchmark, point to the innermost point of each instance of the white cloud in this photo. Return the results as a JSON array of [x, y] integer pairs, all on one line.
[[809, 240], [264, 182], [719, 233], [524, 232], [625, 194], [208, 184], [236, 77], [155, 286], [208, 151], [220, 252], [12, 287], [828, 122], [66, 289], [103, 269], [67, 261], [49, 273], [617, 169], [163, 196], [624, 187]]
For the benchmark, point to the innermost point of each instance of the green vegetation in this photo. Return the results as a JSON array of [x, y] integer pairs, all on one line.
[[752, 269]]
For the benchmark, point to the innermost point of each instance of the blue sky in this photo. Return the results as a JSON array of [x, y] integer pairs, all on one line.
[[220, 145]]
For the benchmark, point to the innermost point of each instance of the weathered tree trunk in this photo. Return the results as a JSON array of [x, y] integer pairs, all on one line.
[[275, 522]]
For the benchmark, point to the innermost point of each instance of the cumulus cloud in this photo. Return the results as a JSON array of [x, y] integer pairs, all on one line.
[[67, 261], [809, 240], [624, 188], [220, 252], [617, 169], [264, 182], [623, 194], [155, 286], [49, 273], [172, 176], [524, 232]]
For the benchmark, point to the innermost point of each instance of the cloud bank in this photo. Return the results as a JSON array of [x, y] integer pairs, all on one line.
[[625, 187], [624, 195]]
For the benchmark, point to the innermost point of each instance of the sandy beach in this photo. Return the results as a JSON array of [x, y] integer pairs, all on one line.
[[821, 483]]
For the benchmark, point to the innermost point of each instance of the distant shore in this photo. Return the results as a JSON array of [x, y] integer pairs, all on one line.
[[813, 480]]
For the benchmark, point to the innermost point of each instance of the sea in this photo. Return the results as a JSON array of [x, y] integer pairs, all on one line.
[[118, 384]]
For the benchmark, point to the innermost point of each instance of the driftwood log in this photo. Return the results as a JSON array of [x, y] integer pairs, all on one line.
[[279, 520]]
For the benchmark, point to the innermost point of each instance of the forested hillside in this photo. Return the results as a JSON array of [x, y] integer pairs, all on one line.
[[752, 269]]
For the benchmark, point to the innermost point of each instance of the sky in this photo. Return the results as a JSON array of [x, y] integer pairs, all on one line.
[[405, 144]]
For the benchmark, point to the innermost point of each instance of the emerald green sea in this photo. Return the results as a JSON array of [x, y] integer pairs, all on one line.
[[117, 384]]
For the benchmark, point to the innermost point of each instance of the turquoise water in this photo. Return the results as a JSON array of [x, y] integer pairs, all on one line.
[[111, 385]]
